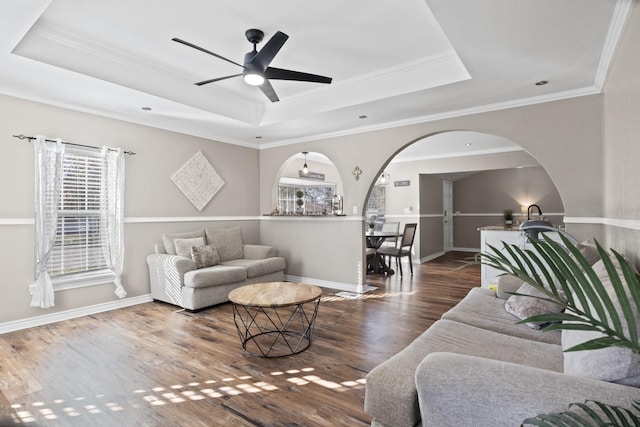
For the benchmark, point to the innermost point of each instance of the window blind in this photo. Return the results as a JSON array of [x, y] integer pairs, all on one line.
[[78, 246]]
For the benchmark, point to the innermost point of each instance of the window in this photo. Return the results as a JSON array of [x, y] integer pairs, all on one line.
[[77, 247], [317, 198], [377, 200]]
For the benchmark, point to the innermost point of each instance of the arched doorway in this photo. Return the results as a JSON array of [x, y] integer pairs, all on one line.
[[486, 175], [306, 184]]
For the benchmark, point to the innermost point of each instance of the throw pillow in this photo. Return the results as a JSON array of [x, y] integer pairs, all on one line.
[[589, 250], [169, 239], [183, 246], [525, 306], [205, 256], [228, 241], [613, 364]]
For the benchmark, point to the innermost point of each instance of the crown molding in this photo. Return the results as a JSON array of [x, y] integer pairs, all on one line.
[[618, 22], [523, 102]]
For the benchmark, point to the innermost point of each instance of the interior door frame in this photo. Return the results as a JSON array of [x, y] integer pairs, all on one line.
[[447, 215]]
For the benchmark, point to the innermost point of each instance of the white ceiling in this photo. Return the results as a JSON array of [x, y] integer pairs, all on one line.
[[393, 62]]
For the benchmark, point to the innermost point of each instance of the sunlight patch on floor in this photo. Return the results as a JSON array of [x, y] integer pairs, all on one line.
[[175, 394]]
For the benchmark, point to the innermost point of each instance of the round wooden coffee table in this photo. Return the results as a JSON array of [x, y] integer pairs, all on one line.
[[275, 319]]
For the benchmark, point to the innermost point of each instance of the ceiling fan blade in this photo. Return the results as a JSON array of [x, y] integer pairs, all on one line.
[[201, 49], [269, 50], [280, 74], [267, 89], [204, 82]]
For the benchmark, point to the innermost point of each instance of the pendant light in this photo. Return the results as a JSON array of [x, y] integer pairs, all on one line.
[[305, 168], [384, 178]]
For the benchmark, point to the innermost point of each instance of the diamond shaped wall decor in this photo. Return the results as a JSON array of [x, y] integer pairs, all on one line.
[[198, 180]]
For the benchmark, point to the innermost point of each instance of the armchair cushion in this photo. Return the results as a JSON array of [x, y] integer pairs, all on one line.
[[462, 390], [227, 240], [213, 276], [523, 306], [168, 239], [259, 251], [259, 267], [614, 364], [205, 256], [183, 246]]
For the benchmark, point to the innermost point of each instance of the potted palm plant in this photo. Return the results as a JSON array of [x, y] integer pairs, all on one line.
[[565, 277], [299, 201]]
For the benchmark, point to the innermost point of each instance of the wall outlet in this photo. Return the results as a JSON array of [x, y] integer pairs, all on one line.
[[355, 210]]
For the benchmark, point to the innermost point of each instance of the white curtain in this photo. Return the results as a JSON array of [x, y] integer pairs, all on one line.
[[112, 214], [48, 184]]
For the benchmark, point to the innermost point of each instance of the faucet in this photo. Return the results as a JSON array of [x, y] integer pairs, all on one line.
[[529, 211]]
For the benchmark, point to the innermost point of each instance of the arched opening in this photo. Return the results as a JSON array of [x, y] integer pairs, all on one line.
[[306, 185], [455, 183]]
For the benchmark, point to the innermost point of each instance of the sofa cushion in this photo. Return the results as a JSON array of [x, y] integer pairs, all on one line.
[[589, 250], [391, 396], [527, 306], [168, 239], [613, 364], [205, 256], [213, 276], [183, 246], [258, 267], [483, 309], [227, 240]]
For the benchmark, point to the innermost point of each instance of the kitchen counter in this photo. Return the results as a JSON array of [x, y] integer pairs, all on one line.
[[499, 228]]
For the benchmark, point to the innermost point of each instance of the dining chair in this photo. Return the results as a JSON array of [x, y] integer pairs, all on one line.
[[391, 227], [404, 247]]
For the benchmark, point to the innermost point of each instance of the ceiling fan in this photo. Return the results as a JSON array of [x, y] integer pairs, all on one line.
[[256, 69]]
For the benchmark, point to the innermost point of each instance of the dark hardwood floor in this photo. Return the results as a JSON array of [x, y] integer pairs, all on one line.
[[155, 365]]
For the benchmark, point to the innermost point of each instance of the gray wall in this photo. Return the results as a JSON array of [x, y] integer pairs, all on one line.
[[571, 134], [153, 204], [622, 143], [431, 228], [480, 199]]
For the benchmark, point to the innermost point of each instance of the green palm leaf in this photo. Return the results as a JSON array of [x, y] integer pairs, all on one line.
[[590, 413], [551, 266]]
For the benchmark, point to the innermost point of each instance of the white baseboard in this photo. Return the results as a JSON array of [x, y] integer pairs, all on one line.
[[476, 250], [431, 257], [350, 287], [45, 319]]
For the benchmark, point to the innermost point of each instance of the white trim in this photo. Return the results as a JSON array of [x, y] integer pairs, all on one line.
[[557, 96], [142, 219], [160, 219], [322, 283], [461, 154], [501, 214], [474, 250], [312, 218], [431, 257], [621, 13], [82, 280], [631, 224], [16, 325], [17, 221]]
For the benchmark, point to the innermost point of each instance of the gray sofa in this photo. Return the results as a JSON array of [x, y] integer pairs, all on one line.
[[198, 269], [477, 367]]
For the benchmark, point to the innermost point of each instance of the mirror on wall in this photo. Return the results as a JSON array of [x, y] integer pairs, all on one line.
[[308, 185]]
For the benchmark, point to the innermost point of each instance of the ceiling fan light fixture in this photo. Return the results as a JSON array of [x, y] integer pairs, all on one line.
[[253, 79]]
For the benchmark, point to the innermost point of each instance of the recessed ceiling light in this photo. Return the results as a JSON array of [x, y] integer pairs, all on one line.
[[362, 117], [541, 83], [146, 108], [468, 144]]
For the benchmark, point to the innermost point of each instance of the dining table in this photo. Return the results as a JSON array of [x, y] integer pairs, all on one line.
[[375, 239]]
